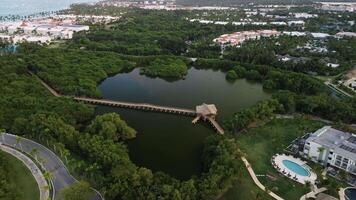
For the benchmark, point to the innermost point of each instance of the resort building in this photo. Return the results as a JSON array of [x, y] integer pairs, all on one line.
[[296, 23], [345, 34], [332, 147], [336, 6], [237, 38], [304, 15], [39, 30]]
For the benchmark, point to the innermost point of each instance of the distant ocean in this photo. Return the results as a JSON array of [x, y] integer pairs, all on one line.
[[27, 7]]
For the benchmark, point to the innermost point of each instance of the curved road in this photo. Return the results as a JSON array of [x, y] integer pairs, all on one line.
[[53, 164]]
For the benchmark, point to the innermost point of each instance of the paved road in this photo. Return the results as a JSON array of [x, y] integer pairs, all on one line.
[[36, 172], [53, 164]]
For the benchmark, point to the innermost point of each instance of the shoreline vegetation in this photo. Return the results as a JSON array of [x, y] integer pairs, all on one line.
[[166, 68], [107, 161]]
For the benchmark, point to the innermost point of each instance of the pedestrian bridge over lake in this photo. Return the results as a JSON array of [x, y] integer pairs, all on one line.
[[206, 112]]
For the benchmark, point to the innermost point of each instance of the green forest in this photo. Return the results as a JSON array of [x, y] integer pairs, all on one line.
[[96, 147]]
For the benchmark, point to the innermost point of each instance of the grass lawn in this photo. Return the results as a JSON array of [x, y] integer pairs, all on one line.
[[245, 188], [22, 178], [260, 144]]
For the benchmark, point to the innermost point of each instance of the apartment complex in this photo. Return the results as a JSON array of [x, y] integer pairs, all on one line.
[[332, 147], [336, 6], [38, 31], [238, 38]]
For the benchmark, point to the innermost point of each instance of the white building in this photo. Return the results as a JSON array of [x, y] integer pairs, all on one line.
[[332, 147], [336, 6], [345, 34], [279, 23], [332, 65], [304, 15], [295, 33], [25, 38], [237, 38], [296, 23], [39, 30], [353, 84], [320, 35]]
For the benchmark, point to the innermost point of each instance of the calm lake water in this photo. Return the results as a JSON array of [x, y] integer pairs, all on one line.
[[27, 7], [171, 143]]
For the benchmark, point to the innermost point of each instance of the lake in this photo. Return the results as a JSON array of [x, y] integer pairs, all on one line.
[[171, 143], [27, 7]]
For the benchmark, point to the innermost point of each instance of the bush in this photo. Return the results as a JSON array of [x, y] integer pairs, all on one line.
[[253, 75], [231, 75], [240, 71]]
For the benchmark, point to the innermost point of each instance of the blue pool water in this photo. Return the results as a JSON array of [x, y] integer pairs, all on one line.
[[350, 193], [296, 168]]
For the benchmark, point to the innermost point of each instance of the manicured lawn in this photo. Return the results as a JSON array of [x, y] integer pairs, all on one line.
[[22, 178], [245, 188], [260, 144]]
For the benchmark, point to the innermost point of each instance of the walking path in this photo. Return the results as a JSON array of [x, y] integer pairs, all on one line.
[[49, 88], [36, 172], [53, 164], [257, 182], [313, 193], [342, 194]]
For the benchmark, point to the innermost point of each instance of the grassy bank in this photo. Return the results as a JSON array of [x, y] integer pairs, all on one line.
[[245, 188], [21, 177]]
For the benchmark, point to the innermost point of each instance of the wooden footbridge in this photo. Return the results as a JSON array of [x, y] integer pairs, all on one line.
[[206, 112], [201, 112], [137, 106]]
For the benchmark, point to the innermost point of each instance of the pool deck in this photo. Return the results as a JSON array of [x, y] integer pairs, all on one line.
[[277, 162], [342, 193]]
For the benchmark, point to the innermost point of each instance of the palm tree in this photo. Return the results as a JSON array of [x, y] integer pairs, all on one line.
[[48, 175], [2, 132], [34, 153], [18, 141]]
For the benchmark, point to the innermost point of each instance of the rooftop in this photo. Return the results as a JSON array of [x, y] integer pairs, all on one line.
[[343, 143], [206, 109]]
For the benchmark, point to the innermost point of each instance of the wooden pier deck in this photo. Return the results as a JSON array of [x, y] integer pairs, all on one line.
[[216, 125]]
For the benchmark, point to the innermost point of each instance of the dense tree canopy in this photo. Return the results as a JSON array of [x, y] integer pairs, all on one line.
[[111, 126], [74, 72], [173, 68], [78, 191]]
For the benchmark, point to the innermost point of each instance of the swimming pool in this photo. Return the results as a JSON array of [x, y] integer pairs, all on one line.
[[350, 193], [296, 168]]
